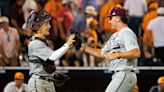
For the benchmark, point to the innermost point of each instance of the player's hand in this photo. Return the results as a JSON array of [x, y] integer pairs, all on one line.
[[71, 39], [112, 56]]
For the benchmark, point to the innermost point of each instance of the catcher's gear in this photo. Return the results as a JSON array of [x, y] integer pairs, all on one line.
[[78, 39], [48, 66], [60, 79], [36, 19]]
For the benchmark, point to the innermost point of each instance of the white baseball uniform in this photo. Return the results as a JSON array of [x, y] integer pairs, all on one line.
[[39, 49], [123, 80], [11, 87]]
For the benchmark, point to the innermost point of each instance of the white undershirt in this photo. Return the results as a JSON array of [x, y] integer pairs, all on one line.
[[59, 53]]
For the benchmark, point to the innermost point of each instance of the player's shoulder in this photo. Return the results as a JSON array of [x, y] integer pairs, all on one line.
[[155, 21], [10, 84], [36, 43], [127, 32]]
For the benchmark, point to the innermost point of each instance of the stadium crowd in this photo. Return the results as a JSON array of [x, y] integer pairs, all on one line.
[[89, 18]]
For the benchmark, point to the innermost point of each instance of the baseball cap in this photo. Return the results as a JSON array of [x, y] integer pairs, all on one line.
[[153, 5], [90, 10], [160, 10], [4, 19], [19, 75], [161, 80], [117, 11]]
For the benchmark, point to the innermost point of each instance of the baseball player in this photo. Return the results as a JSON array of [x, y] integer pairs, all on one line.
[[121, 52], [39, 53], [17, 85]]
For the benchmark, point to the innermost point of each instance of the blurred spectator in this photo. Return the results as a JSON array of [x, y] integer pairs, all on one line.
[[148, 1], [156, 31], [136, 88], [76, 6], [41, 4], [78, 3], [70, 59], [5, 8], [17, 14], [9, 43], [17, 85], [24, 39], [92, 41], [150, 15], [82, 20], [94, 3], [161, 3], [89, 60], [53, 6], [28, 6], [65, 18], [91, 32], [159, 87], [136, 10]]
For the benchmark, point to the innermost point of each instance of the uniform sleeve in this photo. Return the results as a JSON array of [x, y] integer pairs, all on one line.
[[129, 40], [40, 50], [59, 52]]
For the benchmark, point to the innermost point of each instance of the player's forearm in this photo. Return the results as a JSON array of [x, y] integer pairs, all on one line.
[[135, 53], [59, 53], [95, 52]]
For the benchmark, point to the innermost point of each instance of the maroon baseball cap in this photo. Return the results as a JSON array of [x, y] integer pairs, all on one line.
[[117, 11]]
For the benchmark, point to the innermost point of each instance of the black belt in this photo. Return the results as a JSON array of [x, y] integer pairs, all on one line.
[[46, 79], [123, 71]]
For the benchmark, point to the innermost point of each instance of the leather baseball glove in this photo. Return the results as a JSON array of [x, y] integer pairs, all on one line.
[[60, 79]]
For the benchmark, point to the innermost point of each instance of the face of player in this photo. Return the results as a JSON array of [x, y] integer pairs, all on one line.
[[114, 21], [18, 82], [161, 86], [44, 29]]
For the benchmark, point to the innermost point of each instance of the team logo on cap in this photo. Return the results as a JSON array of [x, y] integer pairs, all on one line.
[[113, 13]]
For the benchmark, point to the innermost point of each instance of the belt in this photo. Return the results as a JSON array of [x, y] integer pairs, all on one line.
[[123, 71], [45, 78]]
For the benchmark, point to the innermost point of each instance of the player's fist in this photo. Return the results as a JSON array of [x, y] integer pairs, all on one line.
[[112, 56], [71, 39]]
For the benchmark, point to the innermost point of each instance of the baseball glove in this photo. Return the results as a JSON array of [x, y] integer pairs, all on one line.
[[78, 39], [60, 79]]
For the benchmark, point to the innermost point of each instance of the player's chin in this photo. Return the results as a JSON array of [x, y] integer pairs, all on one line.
[[47, 33]]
